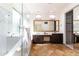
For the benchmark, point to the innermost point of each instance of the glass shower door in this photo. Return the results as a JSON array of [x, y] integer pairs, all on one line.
[[10, 38], [76, 27], [15, 37], [69, 29]]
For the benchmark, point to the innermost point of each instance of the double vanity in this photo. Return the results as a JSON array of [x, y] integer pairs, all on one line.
[[56, 38], [47, 31]]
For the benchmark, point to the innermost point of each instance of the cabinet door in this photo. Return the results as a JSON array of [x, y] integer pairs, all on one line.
[[60, 39], [37, 39], [53, 39], [57, 38], [40, 39], [77, 39]]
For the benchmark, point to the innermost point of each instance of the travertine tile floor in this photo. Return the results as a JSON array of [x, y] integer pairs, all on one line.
[[53, 50]]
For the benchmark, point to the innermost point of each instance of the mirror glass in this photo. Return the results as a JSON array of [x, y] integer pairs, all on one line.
[[46, 25]]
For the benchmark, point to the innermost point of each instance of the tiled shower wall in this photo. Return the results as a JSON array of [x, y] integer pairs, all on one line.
[[5, 25]]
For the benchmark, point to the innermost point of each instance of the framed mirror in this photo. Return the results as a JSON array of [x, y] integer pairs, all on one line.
[[46, 25]]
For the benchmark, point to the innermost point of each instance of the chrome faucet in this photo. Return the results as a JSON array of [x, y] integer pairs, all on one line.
[[45, 33]]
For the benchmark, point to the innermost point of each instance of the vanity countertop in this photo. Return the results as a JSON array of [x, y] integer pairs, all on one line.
[[47, 33]]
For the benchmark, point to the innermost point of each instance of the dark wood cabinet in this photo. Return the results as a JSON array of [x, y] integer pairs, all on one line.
[[37, 39], [76, 39], [54, 38], [57, 38]]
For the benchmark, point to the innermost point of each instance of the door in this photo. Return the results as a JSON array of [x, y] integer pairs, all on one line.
[[69, 29]]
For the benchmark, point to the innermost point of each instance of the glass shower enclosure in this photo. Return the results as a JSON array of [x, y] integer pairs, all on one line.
[[15, 39], [72, 28], [76, 26]]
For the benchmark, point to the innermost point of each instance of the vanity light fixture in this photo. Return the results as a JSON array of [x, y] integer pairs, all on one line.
[[38, 16], [52, 17], [78, 17]]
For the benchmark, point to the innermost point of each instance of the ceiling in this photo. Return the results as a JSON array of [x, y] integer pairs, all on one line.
[[43, 8]]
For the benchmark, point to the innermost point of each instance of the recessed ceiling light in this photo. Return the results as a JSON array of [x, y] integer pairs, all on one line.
[[52, 16]]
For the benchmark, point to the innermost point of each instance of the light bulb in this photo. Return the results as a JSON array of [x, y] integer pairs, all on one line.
[[78, 17], [38, 16], [52, 16]]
